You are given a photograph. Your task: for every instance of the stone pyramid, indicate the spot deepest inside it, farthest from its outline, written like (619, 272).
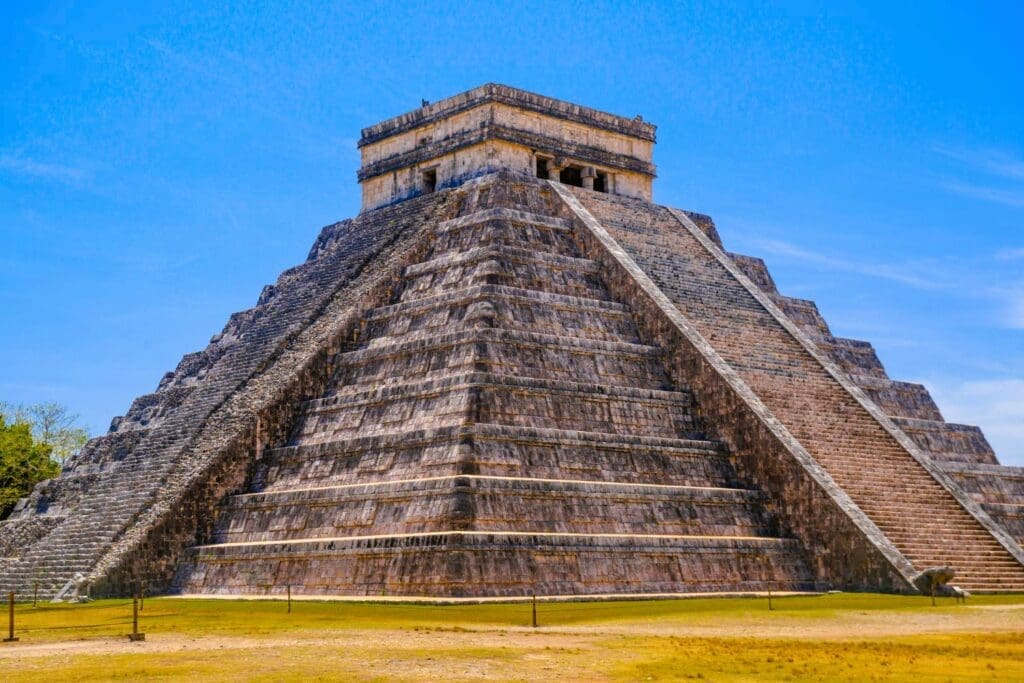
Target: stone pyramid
(513, 373)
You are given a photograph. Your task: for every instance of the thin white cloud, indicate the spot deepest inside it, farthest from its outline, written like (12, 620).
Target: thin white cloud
(997, 406)
(994, 162)
(231, 72)
(1013, 197)
(1003, 175)
(22, 166)
(1000, 294)
(893, 272)
(1013, 305)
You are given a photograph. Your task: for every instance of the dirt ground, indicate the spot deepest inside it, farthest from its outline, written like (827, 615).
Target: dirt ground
(848, 641)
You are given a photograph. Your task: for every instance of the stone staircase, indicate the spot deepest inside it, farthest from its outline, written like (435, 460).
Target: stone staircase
(922, 517)
(999, 488)
(498, 429)
(125, 505)
(80, 540)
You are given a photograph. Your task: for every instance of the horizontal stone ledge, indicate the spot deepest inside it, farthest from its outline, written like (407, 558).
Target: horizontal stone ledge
(482, 432)
(477, 292)
(781, 300)
(541, 435)
(504, 214)
(499, 335)
(914, 424)
(981, 469)
(501, 251)
(1004, 508)
(469, 380)
(511, 483)
(513, 97)
(883, 383)
(525, 539)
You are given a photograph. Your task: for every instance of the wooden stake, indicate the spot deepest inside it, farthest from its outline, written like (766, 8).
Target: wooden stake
(35, 593)
(535, 610)
(10, 624)
(289, 598)
(135, 636)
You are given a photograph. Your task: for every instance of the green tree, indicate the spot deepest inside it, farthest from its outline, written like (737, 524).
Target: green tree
(23, 463)
(51, 424)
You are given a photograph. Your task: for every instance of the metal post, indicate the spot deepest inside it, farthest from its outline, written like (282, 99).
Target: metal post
(289, 598)
(10, 611)
(135, 636)
(535, 610)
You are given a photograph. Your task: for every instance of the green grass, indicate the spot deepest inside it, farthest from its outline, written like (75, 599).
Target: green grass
(835, 637)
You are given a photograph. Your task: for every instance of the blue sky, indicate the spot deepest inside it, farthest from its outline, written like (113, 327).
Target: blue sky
(159, 166)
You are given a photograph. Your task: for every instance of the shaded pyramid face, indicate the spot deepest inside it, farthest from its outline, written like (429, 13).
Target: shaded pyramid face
(499, 428)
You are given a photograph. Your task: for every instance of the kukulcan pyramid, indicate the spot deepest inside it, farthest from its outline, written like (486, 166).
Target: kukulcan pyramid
(512, 373)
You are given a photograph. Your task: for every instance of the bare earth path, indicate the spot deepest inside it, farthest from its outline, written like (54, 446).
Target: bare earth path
(829, 637)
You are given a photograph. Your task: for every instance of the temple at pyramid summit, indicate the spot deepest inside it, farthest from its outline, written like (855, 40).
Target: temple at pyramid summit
(513, 373)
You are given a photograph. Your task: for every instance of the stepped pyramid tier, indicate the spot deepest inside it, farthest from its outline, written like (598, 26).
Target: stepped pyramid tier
(514, 374)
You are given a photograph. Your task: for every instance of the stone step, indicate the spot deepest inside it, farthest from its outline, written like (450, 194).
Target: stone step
(477, 292)
(469, 502)
(510, 433)
(503, 535)
(502, 265)
(398, 347)
(502, 351)
(720, 493)
(503, 450)
(542, 234)
(355, 395)
(947, 440)
(499, 306)
(500, 399)
(504, 252)
(1004, 508)
(496, 563)
(511, 215)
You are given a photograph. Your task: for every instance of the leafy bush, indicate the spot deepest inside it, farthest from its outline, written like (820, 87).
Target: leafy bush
(23, 463)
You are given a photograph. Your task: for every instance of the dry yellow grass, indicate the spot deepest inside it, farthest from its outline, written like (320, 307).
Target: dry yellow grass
(835, 637)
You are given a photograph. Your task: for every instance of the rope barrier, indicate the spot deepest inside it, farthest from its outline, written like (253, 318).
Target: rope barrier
(532, 609)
